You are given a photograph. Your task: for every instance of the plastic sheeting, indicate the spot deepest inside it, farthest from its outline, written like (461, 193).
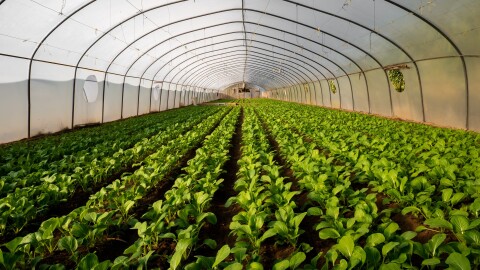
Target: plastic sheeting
(191, 49)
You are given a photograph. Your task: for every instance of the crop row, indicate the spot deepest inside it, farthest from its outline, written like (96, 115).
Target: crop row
(180, 216)
(82, 150)
(25, 157)
(349, 213)
(25, 204)
(109, 209)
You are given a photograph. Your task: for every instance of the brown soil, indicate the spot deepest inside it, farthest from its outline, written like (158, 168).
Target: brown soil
(310, 235)
(286, 172)
(272, 253)
(409, 222)
(80, 196)
(220, 231)
(115, 243)
(127, 236)
(159, 259)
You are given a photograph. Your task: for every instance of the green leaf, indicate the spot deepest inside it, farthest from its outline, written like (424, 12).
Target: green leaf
(411, 209)
(88, 262)
(314, 211)
(234, 266)
(328, 233)
(473, 236)
(457, 197)
(388, 247)
(373, 255)
(13, 244)
(282, 265)
(460, 224)
(346, 246)
(390, 266)
(210, 243)
(457, 261)
(255, 266)
(447, 194)
(436, 241)
(180, 249)
(297, 259)
(68, 243)
(221, 255)
(431, 261)
(375, 239)
(438, 223)
(408, 235)
(390, 230)
(358, 257)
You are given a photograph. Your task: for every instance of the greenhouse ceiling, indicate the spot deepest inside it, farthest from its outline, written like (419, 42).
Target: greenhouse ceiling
(52, 52)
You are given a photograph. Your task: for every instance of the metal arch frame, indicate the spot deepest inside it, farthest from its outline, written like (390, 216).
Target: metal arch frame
(355, 23)
(278, 54)
(378, 34)
(256, 69)
(271, 51)
(216, 69)
(216, 25)
(454, 45)
(222, 42)
(212, 56)
(202, 59)
(30, 66)
(335, 37)
(106, 71)
(188, 77)
(287, 59)
(193, 69)
(426, 21)
(226, 48)
(289, 77)
(248, 73)
(203, 71)
(227, 10)
(254, 79)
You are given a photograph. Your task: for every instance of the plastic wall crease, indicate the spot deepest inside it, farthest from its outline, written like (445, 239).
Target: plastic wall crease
(360, 94)
(13, 99)
(408, 104)
(444, 94)
(163, 101)
(144, 98)
(346, 93)
(130, 97)
(51, 98)
(113, 98)
(326, 93)
(473, 64)
(87, 112)
(379, 92)
(336, 97)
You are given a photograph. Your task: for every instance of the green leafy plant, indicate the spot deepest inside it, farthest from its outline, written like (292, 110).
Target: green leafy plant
(396, 78)
(332, 86)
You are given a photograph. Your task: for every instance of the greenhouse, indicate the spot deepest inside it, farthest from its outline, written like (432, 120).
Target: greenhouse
(239, 134)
